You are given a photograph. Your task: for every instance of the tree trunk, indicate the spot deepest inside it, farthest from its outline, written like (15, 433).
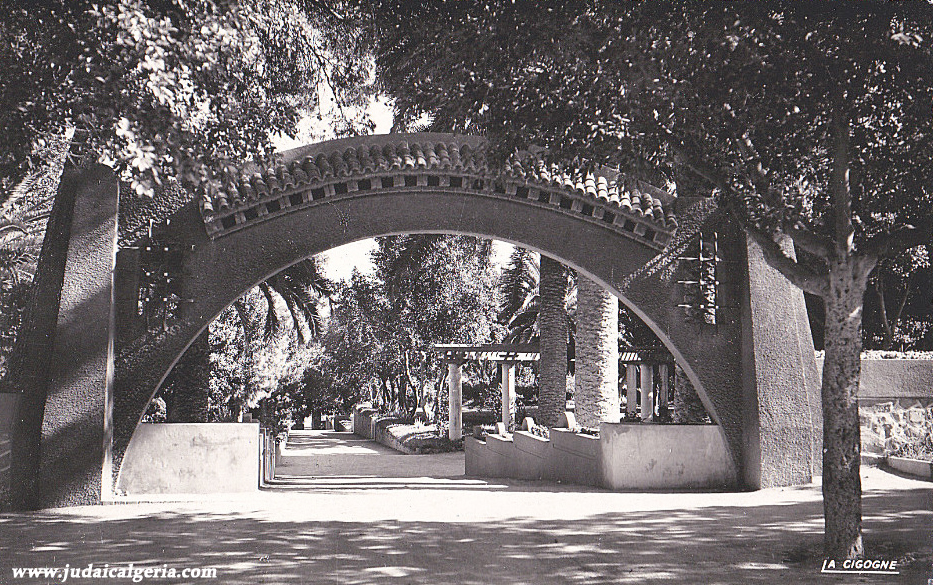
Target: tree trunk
(842, 488)
(596, 377)
(190, 383)
(552, 325)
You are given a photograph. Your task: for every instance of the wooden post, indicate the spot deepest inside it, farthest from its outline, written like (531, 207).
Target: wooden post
(631, 390)
(455, 394)
(647, 387)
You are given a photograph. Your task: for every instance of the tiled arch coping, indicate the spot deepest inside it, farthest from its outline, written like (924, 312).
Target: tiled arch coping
(625, 456)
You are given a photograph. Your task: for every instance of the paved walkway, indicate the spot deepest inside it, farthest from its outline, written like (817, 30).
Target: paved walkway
(348, 512)
(338, 460)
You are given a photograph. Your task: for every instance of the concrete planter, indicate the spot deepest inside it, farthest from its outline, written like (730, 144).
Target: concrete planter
(648, 456)
(191, 458)
(362, 417)
(575, 458)
(626, 456)
(531, 455)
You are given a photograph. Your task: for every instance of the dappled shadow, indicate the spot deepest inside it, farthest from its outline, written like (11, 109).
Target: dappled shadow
(299, 538)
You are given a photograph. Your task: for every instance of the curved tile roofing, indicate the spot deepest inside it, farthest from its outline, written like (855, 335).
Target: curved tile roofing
(398, 162)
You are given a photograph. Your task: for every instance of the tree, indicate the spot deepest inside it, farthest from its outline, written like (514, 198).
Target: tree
(902, 311)
(809, 123)
(596, 370)
(219, 374)
(552, 324)
(521, 313)
(427, 289)
(173, 89)
(22, 226)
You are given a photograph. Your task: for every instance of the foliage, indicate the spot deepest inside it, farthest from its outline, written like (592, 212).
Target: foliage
(22, 226)
(899, 313)
(427, 289)
(169, 89)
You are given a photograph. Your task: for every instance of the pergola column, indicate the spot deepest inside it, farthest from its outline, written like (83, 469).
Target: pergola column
(631, 390)
(663, 372)
(455, 397)
(647, 391)
(507, 386)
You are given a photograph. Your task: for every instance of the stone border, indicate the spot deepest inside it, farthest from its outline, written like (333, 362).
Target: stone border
(368, 423)
(915, 467)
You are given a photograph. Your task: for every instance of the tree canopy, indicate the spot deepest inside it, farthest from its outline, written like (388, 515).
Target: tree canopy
(740, 99)
(172, 88)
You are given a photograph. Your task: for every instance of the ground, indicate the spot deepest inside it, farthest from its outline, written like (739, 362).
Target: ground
(346, 510)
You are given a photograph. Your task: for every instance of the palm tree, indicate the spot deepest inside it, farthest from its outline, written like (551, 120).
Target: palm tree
(553, 328)
(596, 384)
(23, 217)
(538, 300)
(301, 287)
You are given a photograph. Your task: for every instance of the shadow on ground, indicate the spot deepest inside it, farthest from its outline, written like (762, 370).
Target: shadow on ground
(710, 544)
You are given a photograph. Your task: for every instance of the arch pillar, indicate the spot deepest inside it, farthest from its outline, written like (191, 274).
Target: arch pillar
(62, 431)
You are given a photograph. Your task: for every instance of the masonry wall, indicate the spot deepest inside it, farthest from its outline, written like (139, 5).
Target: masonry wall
(191, 458)
(886, 379)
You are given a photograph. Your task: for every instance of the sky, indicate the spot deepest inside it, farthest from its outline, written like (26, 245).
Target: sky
(339, 263)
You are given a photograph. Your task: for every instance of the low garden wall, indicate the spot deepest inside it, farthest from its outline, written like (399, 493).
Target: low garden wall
(624, 456)
(397, 433)
(652, 456)
(191, 458)
(888, 379)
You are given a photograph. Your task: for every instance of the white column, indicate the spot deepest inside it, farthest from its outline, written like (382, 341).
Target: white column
(455, 394)
(631, 390)
(647, 386)
(507, 371)
(665, 386)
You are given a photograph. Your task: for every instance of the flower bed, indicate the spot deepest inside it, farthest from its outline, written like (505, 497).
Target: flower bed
(400, 433)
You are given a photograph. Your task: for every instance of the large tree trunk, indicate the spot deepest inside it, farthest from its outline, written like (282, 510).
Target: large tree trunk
(190, 383)
(552, 325)
(842, 488)
(596, 387)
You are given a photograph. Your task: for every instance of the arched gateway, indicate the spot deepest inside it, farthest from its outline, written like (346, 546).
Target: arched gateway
(753, 368)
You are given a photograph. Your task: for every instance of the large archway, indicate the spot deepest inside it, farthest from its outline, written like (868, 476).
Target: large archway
(603, 225)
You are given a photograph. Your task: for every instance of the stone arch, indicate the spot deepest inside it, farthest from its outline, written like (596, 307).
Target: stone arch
(600, 223)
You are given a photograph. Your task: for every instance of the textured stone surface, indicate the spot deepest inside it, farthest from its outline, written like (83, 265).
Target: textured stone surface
(75, 467)
(782, 413)
(596, 378)
(897, 428)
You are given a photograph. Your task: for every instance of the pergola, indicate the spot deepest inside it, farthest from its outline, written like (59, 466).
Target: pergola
(506, 354)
